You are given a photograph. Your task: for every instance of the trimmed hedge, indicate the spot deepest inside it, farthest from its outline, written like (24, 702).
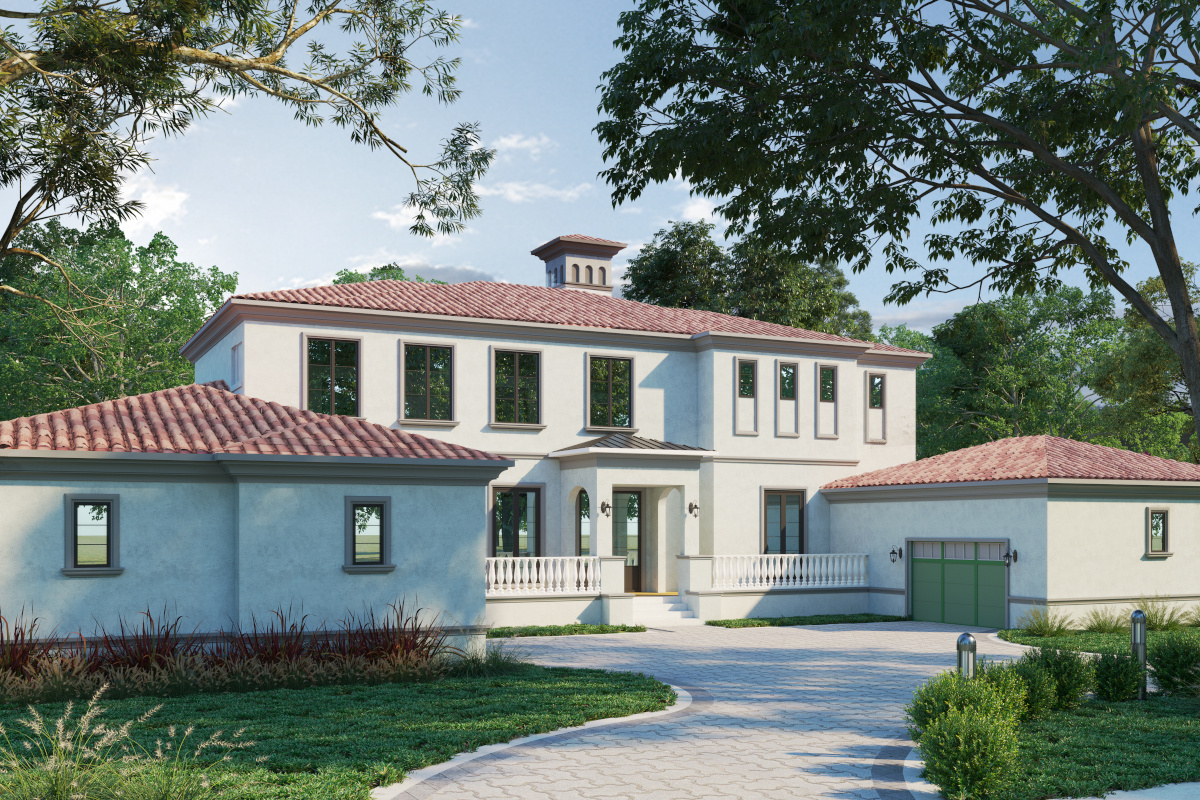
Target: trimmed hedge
(969, 754)
(1175, 662)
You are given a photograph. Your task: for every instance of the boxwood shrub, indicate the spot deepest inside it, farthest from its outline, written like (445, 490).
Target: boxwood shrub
(1072, 673)
(1118, 677)
(969, 753)
(948, 691)
(1175, 662)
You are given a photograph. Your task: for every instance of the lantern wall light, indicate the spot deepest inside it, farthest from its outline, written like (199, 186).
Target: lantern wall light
(897, 553)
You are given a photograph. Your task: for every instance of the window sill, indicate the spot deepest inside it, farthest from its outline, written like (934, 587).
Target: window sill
(876, 441)
(368, 569)
(1159, 555)
(787, 435)
(92, 572)
(430, 423)
(604, 429)
(827, 436)
(516, 426)
(745, 433)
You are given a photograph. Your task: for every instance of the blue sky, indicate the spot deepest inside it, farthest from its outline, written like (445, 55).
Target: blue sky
(254, 192)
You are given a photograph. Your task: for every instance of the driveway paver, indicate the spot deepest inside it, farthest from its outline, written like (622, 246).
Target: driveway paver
(775, 713)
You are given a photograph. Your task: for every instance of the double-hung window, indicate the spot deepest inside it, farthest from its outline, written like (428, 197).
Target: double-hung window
(783, 522)
(518, 388)
(828, 385)
(515, 522)
(92, 536)
(787, 381)
(875, 391)
(1157, 533)
(368, 535)
(610, 392)
(747, 378)
(333, 376)
(428, 382)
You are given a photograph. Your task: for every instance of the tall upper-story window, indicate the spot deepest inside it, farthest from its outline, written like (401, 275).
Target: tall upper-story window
(787, 381)
(828, 385)
(747, 378)
(875, 391)
(235, 366)
(333, 376)
(517, 387)
(428, 382)
(610, 390)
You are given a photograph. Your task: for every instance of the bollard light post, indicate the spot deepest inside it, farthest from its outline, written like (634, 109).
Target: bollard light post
(966, 655)
(1137, 634)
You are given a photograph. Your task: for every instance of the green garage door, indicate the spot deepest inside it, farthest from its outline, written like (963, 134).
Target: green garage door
(961, 583)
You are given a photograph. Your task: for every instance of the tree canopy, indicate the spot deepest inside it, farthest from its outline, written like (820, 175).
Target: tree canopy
(683, 267)
(1033, 136)
(388, 272)
(86, 84)
(134, 308)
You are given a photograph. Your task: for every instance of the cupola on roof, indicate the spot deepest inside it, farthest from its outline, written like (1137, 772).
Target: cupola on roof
(579, 262)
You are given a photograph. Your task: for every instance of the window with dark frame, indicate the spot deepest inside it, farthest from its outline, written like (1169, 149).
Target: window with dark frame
(583, 524)
(787, 381)
(368, 533)
(518, 387)
(783, 522)
(1158, 532)
(828, 385)
(610, 385)
(516, 521)
(747, 378)
(333, 376)
(92, 545)
(428, 382)
(875, 391)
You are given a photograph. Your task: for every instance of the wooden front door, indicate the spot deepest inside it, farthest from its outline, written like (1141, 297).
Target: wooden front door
(628, 536)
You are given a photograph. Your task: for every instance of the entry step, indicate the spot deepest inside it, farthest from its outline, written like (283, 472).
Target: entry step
(663, 609)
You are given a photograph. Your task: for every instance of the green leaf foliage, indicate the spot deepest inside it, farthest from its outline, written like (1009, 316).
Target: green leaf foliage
(135, 307)
(950, 691)
(1175, 663)
(969, 754)
(388, 272)
(683, 267)
(1118, 677)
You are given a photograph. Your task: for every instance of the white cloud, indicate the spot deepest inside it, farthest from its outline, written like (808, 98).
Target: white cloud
(921, 314)
(516, 142)
(400, 218)
(162, 203)
(467, 23)
(525, 191)
(698, 208)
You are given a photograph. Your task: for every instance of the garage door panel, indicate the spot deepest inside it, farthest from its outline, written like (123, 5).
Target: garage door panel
(991, 595)
(927, 591)
(960, 593)
(966, 587)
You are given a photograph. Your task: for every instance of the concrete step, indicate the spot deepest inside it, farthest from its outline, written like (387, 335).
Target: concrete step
(662, 610)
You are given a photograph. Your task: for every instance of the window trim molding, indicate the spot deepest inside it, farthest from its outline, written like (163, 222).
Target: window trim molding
(358, 371)
(385, 537)
(540, 537)
(780, 363)
(1166, 551)
(737, 395)
(588, 355)
(541, 385)
(763, 491)
(818, 402)
(867, 408)
(579, 495)
(402, 417)
(70, 568)
(237, 366)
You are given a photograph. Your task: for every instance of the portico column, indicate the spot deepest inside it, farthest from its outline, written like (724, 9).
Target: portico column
(602, 537)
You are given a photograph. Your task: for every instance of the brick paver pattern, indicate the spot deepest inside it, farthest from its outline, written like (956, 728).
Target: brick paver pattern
(788, 713)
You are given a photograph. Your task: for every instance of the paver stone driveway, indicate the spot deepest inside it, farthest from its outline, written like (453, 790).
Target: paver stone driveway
(777, 713)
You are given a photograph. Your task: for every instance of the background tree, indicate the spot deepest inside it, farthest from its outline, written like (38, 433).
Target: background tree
(1035, 135)
(388, 272)
(683, 267)
(145, 305)
(85, 85)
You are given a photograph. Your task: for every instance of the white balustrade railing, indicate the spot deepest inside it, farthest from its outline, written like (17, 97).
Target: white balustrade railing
(538, 576)
(810, 570)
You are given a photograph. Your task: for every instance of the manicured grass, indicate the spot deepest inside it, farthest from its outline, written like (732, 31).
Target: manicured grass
(562, 630)
(1102, 747)
(1087, 642)
(819, 619)
(337, 742)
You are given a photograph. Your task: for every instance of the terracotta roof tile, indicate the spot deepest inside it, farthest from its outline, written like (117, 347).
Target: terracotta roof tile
(208, 418)
(523, 303)
(1027, 457)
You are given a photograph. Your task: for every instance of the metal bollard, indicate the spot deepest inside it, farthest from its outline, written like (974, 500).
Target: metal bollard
(1137, 634)
(966, 655)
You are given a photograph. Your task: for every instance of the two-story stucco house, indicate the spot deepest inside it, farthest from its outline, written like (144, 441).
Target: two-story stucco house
(517, 454)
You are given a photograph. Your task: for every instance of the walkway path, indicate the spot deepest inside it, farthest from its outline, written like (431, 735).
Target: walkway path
(776, 713)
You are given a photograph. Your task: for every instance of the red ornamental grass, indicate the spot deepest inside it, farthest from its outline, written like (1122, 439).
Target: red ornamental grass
(153, 643)
(19, 644)
(394, 633)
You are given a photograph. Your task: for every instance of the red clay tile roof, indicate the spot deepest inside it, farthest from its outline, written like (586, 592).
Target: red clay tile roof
(523, 303)
(208, 418)
(1027, 457)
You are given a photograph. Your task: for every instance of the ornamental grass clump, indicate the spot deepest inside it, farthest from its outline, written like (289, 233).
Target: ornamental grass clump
(1106, 620)
(1161, 614)
(1042, 621)
(88, 759)
(1174, 661)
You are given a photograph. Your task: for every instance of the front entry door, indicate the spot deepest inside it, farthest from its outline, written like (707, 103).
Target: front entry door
(627, 536)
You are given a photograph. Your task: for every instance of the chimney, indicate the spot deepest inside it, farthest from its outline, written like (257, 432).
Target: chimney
(579, 262)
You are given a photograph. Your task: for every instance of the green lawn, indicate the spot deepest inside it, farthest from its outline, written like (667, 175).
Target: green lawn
(1087, 642)
(1103, 747)
(562, 630)
(819, 619)
(335, 743)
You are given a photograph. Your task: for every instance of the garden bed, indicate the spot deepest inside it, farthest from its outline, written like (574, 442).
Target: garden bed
(562, 630)
(818, 619)
(1088, 641)
(340, 741)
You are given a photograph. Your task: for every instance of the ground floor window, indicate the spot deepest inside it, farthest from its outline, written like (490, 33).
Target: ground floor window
(583, 524)
(784, 523)
(1156, 534)
(93, 534)
(515, 522)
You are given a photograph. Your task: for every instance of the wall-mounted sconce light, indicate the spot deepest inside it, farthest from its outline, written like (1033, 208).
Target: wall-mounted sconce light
(694, 509)
(606, 508)
(897, 552)
(1010, 557)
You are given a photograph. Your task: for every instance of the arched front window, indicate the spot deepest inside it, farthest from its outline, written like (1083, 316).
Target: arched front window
(589, 274)
(575, 269)
(583, 524)
(603, 277)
